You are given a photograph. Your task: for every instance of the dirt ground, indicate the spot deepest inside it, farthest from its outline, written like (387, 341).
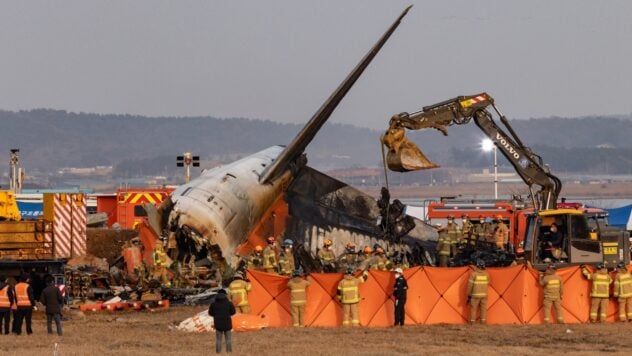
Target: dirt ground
(147, 333)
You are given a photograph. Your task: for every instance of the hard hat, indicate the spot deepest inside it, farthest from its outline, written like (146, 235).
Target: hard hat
(379, 250)
(481, 217)
(520, 251)
(480, 263)
(450, 216)
(271, 239)
(367, 250)
(464, 216)
(499, 217)
(621, 264)
(328, 243)
(601, 265)
(399, 270)
(349, 270)
(258, 248)
(288, 242)
(351, 245)
(376, 246)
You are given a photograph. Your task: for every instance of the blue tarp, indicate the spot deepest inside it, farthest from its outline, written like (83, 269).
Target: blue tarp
(31, 210)
(621, 217)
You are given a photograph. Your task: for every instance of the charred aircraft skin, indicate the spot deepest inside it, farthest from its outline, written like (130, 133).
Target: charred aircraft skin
(216, 212)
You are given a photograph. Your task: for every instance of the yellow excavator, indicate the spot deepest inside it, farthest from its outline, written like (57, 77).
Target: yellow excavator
(581, 244)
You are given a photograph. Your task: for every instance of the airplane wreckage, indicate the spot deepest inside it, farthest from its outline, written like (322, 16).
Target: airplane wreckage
(228, 210)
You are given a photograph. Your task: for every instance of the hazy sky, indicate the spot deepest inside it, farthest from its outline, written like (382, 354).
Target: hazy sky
(279, 60)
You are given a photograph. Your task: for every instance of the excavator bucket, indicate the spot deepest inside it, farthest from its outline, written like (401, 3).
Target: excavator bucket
(403, 155)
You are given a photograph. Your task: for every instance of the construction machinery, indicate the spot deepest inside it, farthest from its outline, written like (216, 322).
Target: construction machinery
(582, 242)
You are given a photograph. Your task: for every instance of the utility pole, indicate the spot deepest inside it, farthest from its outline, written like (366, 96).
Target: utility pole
(17, 173)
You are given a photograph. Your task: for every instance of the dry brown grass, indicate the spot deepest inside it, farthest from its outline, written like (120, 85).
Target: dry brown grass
(146, 333)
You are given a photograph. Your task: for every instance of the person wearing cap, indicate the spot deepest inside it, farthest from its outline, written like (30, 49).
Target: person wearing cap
(286, 258)
(349, 259)
(238, 293)
(349, 297)
(255, 260)
(623, 291)
(270, 256)
(477, 287)
(600, 291)
(454, 234)
(222, 311)
(443, 246)
(553, 289)
(25, 303)
(501, 233)
(298, 297)
(466, 230)
(327, 257)
(399, 292)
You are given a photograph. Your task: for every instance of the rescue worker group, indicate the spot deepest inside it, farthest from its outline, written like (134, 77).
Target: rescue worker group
(351, 262)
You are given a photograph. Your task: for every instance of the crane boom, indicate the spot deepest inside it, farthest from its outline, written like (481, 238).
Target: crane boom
(403, 155)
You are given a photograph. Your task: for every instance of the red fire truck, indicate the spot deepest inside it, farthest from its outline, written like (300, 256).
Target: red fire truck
(126, 206)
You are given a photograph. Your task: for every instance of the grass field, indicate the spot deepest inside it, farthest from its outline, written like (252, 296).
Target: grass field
(147, 333)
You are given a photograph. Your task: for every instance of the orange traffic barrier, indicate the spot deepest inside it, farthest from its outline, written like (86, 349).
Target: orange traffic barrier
(91, 307)
(435, 295)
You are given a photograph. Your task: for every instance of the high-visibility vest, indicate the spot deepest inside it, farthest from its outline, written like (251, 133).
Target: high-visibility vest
(466, 230)
(349, 290)
(478, 283)
(298, 291)
(453, 232)
(502, 233)
(4, 297)
(623, 285)
(238, 291)
(552, 287)
(22, 295)
(326, 256)
(443, 245)
(600, 285)
(269, 258)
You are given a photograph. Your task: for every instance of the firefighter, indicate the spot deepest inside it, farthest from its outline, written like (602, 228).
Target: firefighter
(25, 302)
(623, 291)
(380, 262)
(501, 233)
(553, 289)
(298, 297)
(454, 235)
(6, 300)
(489, 230)
(478, 233)
(600, 291)
(255, 260)
(286, 258)
(466, 230)
(477, 292)
(364, 257)
(238, 293)
(400, 291)
(327, 257)
(349, 297)
(270, 256)
(443, 246)
(160, 264)
(349, 259)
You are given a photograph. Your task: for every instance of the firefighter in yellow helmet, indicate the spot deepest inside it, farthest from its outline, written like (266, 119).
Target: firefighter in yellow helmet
(553, 290)
(238, 293)
(623, 291)
(501, 233)
(327, 257)
(600, 291)
(270, 256)
(255, 260)
(349, 296)
(298, 297)
(477, 292)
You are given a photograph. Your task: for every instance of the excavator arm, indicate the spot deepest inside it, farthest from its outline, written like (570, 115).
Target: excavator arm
(403, 155)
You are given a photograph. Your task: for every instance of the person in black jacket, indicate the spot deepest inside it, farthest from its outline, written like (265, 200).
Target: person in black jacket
(52, 299)
(399, 291)
(221, 310)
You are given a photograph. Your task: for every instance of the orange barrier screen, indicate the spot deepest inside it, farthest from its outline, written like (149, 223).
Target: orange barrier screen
(435, 295)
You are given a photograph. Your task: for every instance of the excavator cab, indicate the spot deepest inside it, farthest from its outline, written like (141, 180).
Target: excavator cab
(565, 236)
